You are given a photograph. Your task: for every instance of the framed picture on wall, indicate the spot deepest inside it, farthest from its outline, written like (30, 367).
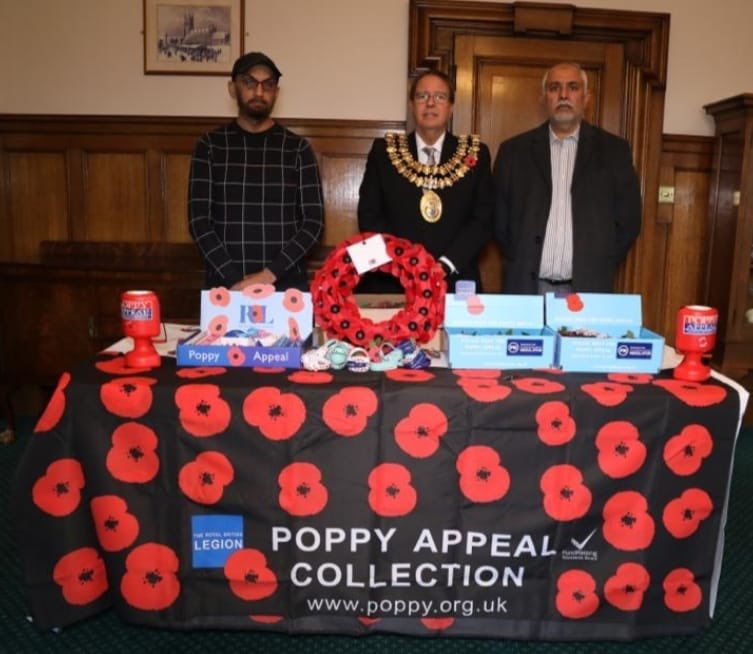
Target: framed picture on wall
(192, 37)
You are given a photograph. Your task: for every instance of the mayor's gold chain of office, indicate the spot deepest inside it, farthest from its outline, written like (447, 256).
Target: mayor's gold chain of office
(432, 177)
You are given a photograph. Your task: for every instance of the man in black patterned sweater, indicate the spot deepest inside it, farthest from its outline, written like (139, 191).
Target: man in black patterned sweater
(254, 196)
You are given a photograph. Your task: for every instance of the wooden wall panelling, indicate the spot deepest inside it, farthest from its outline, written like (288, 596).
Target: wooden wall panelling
(175, 169)
(127, 177)
(37, 199)
(115, 197)
(683, 234)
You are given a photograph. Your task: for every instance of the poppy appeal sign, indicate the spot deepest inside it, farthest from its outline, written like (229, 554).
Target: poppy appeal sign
(426, 502)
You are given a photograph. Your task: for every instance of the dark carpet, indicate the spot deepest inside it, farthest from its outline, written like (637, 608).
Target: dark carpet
(731, 631)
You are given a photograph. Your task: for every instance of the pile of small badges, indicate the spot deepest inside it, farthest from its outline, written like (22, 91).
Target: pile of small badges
(339, 355)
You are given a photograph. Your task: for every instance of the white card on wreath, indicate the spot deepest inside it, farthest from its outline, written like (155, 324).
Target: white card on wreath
(369, 254)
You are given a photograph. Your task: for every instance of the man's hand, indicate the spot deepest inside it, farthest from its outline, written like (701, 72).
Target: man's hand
(265, 276)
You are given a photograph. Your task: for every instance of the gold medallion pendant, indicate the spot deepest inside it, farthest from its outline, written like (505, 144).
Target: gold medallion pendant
(431, 206)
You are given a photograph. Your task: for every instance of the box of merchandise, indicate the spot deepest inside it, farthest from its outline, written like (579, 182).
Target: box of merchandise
(497, 331)
(256, 327)
(602, 332)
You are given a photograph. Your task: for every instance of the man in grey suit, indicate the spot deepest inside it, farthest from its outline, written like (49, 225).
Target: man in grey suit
(568, 204)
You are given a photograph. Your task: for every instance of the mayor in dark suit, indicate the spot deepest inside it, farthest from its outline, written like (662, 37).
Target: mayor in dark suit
(568, 203)
(430, 187)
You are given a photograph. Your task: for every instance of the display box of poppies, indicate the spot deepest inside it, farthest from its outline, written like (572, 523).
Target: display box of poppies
(602, 332)
(497, 331)
(256, 327)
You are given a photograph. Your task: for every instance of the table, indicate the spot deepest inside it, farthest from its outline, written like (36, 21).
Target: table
(514, 504)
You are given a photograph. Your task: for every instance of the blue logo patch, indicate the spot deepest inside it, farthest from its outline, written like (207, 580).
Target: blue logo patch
(214, 538)
(634, 350)
(526, 347)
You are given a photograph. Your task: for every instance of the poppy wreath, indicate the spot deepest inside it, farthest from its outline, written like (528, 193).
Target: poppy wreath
(420, 275)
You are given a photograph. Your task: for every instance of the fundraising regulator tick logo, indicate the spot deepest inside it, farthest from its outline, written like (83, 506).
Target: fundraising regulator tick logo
(579, 551)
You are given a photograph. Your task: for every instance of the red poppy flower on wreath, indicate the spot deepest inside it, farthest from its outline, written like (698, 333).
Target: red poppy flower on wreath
(409, 375)
(574, 302)
(58, 491)
(555, 424)
(576, 595)
(537, 385)
(151, 581)
(116, 366)
(293, 300)
(204, 479)
(310, 377)
(127, 397)
(267, 619)
(201, 371)
(347, 412)
(681, 592)
(685, 452)
(235, 356)
(391, 493)
(621, 453)
(55, 407)
(627, 523)
(116, 527)
(258, 291)
(483, 478)
(82, 576)
(630, 377)
(437, 624)
(201, 410)
(219, 296)
(133, 457)
(217, 326)
(249, 576)
(607, 393)
(484, 390)
(419, 433)
(566, 497)
(692, 393)
(683, 515)
(278, 415)
(412, 265)
(301, 490)
(625, 589)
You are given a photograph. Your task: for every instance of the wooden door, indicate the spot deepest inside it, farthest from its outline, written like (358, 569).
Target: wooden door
(536, 34)
(499, 95)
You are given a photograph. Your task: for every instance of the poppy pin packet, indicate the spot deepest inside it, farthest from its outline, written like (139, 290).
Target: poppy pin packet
(497, 331)
(255, 327)
(602, 332)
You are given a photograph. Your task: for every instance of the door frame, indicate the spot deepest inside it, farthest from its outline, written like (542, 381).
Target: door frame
(434, 25)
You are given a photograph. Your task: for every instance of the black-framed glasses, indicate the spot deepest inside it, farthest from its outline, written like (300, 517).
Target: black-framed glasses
(251, 83)
(439, 97)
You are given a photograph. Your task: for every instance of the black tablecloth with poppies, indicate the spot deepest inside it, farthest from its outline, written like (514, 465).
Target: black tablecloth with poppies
(516, 504)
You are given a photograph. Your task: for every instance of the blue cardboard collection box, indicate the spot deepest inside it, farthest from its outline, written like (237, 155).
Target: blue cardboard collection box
(252, 328)
(602, 332)
(497, 331)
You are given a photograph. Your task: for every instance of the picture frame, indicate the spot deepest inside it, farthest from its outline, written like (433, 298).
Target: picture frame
(192, 37)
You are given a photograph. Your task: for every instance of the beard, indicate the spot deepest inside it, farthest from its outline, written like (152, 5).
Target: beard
(256, 110)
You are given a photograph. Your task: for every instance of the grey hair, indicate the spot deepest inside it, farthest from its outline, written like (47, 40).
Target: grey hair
(572, 64)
